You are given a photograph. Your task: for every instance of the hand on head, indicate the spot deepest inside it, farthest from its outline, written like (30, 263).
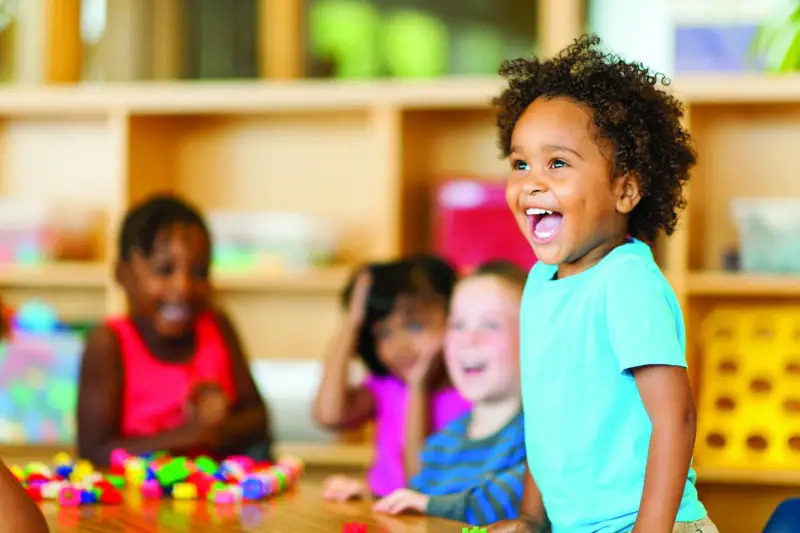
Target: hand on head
(358, 300)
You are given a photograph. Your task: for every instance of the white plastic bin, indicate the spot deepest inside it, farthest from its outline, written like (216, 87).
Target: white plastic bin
(769, 234)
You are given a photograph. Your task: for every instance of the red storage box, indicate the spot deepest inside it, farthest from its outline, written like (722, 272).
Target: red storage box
(473, 224)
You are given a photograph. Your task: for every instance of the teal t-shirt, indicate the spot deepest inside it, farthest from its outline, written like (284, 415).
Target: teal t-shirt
(586, 429)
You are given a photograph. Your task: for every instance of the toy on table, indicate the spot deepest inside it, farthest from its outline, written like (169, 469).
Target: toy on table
(234, 479)
(74, 483)
(69, 483)
(354, 527)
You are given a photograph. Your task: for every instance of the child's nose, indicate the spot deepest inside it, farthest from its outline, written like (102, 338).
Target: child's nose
(181, 284)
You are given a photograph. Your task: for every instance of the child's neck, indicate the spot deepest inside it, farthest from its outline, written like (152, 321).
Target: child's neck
(172, 350)
(590, 258)
(487, 418)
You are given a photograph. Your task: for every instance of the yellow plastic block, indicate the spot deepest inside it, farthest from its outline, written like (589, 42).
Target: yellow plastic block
(184, 491)
(749, 406)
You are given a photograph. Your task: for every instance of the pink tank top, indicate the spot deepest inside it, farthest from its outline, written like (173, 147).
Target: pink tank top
(154, 392)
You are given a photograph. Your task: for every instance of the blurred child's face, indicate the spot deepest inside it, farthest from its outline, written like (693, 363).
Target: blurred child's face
(170, 287)
(482, 343)
(561, 190)
(413, 330)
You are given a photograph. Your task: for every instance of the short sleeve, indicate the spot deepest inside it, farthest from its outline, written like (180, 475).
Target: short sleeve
(645, 325)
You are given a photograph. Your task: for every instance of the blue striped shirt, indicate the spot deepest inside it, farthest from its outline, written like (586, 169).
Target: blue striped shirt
(475, 481)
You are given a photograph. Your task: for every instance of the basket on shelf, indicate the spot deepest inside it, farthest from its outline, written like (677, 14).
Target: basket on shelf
(749, 409)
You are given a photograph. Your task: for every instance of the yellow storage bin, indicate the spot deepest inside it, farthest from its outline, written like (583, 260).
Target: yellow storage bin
(749, 406)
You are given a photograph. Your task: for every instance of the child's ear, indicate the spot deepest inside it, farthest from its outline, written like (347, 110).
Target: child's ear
(629, 192)
(123, 274)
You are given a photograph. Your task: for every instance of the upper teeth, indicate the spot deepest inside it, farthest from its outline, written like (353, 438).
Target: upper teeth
(537, 211)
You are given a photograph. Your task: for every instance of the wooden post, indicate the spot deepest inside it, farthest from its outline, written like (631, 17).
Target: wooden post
(281, 51)
(167, 38)
(62, 41)
(560, 21)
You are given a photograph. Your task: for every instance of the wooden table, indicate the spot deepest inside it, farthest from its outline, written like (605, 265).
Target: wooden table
(299, 511)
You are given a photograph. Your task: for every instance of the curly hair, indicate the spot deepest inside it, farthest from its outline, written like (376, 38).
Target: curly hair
(630, 111)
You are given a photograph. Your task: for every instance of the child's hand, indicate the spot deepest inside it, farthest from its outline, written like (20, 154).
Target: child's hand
(509, 526)
(358, 299)
(402, 500)
(427, 369)
(208, 405)
(343, 488)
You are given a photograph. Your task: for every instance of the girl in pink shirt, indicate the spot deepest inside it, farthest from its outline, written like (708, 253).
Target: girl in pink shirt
(396, 320)
(171, 374)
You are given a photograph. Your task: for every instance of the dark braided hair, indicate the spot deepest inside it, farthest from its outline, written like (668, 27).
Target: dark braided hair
(145, 220)
(630, 110)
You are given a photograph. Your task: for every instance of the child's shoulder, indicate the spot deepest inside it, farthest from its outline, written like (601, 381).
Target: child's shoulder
(633, 268)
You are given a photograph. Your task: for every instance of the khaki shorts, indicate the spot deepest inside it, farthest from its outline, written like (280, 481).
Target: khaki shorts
(701, 526)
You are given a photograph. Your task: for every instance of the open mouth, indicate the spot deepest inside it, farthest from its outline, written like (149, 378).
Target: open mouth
(473, 369)
(544, 224)
(176, 312)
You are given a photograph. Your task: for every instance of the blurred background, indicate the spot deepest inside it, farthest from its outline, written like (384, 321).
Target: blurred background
(318, 134)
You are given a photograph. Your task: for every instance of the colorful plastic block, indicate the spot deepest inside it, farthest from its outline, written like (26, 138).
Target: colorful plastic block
(69, 497)
(62, 459)
(64, 471)
(253, 488)
(88, 497)
(51, 489)
(118, 457)
(224, 496)
(150, 489)
(172, 472)
(111, 496)
(35, 492)
(116, 481)
(184, 491)
(17, 472)
(206, 464)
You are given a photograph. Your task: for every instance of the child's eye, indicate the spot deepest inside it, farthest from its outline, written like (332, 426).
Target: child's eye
(200, 273)
(164, 269)
(519, 164)
(414, 326)
(558, 163)
(492, 325)
(456, 325)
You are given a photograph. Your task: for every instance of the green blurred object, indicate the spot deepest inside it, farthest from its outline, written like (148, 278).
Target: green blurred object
(777, 41)
(345, 32)
(415, 44)
(21, 394)
(478, 49)
(62, 395)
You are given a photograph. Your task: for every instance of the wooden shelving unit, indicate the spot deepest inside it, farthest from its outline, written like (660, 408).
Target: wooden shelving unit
(366, 155)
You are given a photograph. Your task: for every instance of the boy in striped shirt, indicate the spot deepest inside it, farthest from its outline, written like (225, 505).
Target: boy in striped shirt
(472, 470)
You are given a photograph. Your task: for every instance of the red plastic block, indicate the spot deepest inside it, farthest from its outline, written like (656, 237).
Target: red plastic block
(354, 527)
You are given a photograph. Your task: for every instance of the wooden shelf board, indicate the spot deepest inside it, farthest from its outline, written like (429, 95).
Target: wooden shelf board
(743, 284)
(61, 275)
(738, 88)
(217, 97)
(733, 476)
(322, 280)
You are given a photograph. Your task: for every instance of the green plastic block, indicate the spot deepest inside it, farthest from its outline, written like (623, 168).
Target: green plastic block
(206, 465)
(116, 481)
(172, 472)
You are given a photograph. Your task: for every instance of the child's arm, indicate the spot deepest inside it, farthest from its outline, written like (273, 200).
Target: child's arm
(99, 407)
(338, 406)
(426, 372)
(19, 512)
(492, 499)
(667, 397)
(532, 515)
(247, 420)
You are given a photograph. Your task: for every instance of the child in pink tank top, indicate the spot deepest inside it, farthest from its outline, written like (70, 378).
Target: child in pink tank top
(396, 323)
(171, 374)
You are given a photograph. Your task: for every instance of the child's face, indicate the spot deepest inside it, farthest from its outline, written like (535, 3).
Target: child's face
(482, 343)
(170, 287)
(413, 331)
(558, 167)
